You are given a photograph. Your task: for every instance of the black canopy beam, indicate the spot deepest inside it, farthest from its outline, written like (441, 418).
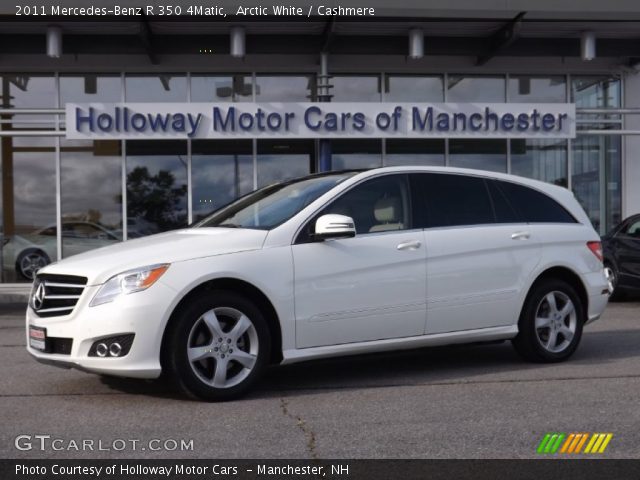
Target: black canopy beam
(503, 38)
(146, 37)
(328, 35)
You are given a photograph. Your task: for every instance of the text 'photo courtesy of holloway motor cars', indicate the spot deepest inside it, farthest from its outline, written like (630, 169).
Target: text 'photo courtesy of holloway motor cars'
(328, 265)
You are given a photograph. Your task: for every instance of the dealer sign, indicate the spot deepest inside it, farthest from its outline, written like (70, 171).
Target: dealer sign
(319, 120)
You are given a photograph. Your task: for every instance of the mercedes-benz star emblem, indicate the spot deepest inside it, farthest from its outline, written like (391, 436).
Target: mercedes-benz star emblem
(38, 297)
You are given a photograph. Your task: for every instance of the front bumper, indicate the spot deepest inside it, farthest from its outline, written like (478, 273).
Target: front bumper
(143, 314)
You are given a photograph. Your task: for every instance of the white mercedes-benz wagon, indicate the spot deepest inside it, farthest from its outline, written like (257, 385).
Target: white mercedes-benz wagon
(326, 265)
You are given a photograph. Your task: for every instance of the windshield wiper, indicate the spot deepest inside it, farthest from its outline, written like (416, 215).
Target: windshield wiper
(230, 225)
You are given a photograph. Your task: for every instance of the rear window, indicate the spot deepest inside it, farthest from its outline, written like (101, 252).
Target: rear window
(534, 206)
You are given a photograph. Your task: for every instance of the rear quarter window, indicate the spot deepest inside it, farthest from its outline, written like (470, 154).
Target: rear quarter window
(534, 206)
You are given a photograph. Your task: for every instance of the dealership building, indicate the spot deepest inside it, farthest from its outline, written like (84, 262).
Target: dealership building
(546, 89)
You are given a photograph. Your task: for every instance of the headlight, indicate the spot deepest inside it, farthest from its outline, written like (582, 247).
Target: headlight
(128, 282)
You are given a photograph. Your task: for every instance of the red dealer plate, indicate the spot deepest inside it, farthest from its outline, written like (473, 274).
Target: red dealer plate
(37, 338)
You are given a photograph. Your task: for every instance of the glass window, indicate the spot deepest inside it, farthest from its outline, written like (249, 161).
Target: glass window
(413, 88)
(414, 152)
(633, 229)
(28, 206)
(156, 186)
(475, 89)
(595, 91)
(356, 154)
(537, 89)
(280, 160)
(479, 154)
(287, 88)
(597, 178)
(208, 88)
(29, 91)
(270, 206)
(90, 88)
(90, 172)
(165, 87)
(221, 171)
(355, 88)
(91, 192)
(534, 206)
(502, 208)
(456, 200)
(544, 159)
(377, 205)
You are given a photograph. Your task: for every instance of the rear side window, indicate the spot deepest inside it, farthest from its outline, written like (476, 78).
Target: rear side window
(534, 206)
(505, 213)
(454, 200)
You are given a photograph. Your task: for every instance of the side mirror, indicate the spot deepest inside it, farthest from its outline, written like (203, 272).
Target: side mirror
(334, 226)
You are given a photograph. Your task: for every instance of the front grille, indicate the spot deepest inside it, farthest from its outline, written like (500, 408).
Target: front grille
(56, 295)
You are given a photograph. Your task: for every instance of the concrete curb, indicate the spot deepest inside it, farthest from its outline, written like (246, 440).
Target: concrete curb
(15, 294)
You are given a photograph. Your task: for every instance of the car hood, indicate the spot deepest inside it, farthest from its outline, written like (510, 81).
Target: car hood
(101, 264)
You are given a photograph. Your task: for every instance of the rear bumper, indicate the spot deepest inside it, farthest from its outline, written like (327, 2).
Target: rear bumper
(598, 294)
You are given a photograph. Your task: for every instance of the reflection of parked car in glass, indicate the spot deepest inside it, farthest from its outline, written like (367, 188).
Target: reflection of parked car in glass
(622, 256)
(30, 252)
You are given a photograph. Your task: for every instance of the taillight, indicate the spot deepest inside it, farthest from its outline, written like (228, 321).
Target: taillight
(596, 249)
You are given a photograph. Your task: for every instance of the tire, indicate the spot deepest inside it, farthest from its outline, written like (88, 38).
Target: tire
(547, 334)
(612, 275)
(206, 358)
(29, 262)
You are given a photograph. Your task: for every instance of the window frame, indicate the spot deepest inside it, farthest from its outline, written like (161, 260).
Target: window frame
(624, 231)
(302, 234)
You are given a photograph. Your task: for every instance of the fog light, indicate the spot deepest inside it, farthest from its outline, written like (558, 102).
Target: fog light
(116, 346)
(102, 350)
(115, 349)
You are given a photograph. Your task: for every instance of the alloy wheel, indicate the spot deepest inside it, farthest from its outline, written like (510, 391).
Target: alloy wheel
(222, 347)
(610, 273)
(555, 321)
(31, 263)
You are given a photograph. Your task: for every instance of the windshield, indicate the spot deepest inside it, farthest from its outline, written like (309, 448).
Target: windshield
(268, 207)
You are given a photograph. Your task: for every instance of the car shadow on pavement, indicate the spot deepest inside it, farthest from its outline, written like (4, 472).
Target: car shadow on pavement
(477, 363)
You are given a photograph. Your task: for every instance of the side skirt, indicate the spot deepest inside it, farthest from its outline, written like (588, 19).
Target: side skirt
(405, 343)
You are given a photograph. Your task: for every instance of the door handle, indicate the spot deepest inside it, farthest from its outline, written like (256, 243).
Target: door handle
(520, 236)
(410, 245)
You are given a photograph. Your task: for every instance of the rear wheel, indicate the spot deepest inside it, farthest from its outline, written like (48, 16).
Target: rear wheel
(612, 277)
(218, 347)
(550, 326)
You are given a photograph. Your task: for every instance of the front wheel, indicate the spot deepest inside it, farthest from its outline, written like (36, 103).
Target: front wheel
(218, 347)
(550, 326)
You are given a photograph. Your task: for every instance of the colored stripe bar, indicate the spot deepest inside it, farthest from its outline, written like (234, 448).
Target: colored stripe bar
(605, 443)
(581, 443)
(594, 437)
(550, 443)
(596, 446)
(555, 447)
(565, 447)
(543, 443)
(576, 439)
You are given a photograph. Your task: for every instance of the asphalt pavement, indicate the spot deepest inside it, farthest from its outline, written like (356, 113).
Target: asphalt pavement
(477, 401)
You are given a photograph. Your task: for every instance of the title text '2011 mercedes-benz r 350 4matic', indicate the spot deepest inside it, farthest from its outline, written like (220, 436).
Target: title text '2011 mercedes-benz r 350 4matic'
(327, 265)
